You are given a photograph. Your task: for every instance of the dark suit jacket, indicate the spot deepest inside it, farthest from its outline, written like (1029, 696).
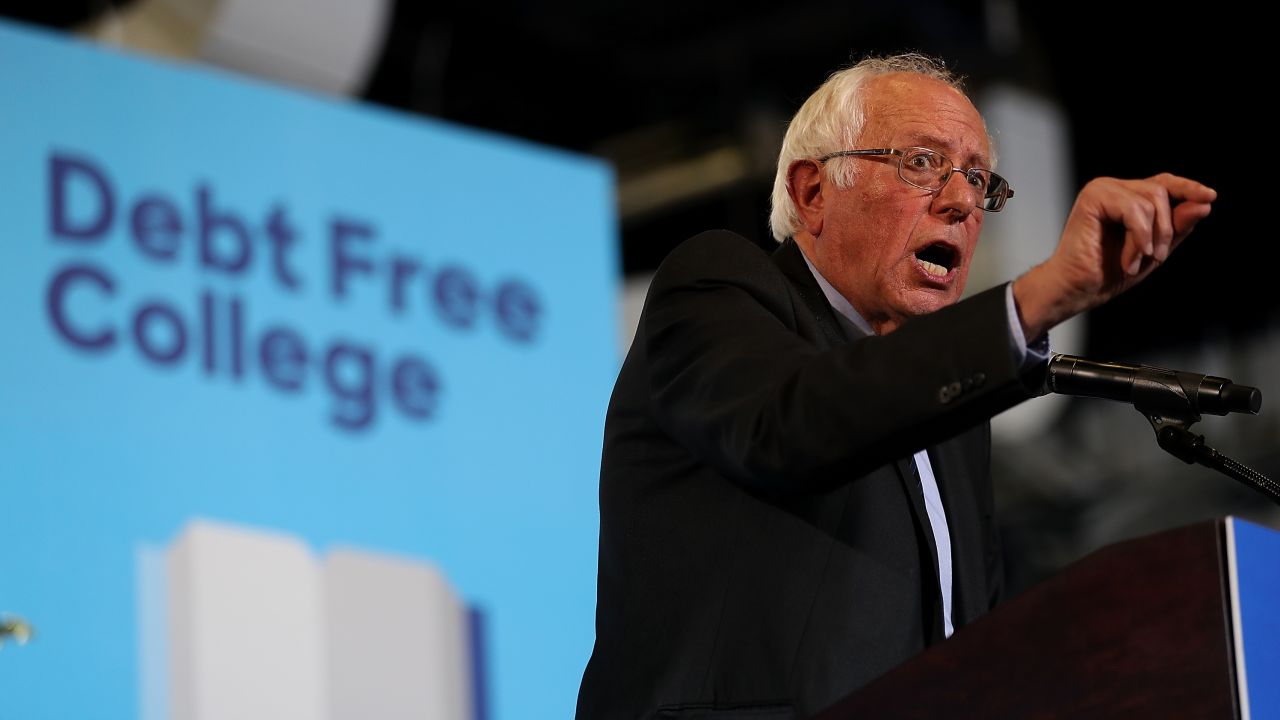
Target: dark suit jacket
(764, 546)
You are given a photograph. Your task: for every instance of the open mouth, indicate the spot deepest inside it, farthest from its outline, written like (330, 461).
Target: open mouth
(937, 259)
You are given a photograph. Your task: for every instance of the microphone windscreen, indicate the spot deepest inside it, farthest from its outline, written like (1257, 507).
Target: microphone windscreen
(1242, 398)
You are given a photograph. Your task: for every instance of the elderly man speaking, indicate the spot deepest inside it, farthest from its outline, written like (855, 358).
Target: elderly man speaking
(795, 491)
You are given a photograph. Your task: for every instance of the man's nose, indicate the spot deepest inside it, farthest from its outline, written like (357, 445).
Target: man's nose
(958, 198)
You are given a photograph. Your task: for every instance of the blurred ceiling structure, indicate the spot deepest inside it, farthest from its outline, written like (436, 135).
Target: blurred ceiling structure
(688, 101)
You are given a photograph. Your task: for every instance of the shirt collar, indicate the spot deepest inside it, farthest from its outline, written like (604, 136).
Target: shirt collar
(841, 304)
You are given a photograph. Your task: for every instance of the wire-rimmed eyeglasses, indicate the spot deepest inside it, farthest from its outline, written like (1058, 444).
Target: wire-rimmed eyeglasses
(930, 170)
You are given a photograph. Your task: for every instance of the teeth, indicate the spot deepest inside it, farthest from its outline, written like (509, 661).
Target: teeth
(933, 269)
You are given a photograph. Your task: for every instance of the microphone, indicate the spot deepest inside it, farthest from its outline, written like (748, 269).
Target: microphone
(1152, 390)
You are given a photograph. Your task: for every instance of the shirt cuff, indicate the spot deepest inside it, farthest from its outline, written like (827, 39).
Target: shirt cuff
(1027, 354)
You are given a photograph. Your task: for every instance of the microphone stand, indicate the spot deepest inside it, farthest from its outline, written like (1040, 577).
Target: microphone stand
(1173, 435)
(1171, 401)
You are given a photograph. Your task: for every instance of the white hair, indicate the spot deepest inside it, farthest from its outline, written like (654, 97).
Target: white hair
(832, 119)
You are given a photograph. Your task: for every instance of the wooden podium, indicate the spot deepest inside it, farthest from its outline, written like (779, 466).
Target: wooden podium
(1156, 627)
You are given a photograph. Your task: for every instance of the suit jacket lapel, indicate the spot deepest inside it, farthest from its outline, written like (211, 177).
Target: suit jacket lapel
(910, 477)
(968, 566)
(790, 260)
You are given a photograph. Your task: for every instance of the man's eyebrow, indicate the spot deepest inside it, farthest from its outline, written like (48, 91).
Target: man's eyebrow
(933, 142)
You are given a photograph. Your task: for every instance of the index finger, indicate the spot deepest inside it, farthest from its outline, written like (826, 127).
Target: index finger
(1183, 189)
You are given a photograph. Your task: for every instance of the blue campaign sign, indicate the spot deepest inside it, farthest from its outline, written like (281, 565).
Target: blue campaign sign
(1257, 576)
(228, 301)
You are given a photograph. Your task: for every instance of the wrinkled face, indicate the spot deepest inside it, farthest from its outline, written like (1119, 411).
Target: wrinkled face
(893, 250)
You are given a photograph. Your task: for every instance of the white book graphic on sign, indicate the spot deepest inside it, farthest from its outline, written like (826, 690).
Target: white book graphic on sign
(404, 617)
(254, 626)
(246, 626)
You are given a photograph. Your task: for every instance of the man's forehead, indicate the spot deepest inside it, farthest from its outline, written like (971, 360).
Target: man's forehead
(914, 110)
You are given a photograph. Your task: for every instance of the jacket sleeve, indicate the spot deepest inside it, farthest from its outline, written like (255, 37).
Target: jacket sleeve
(732, 379)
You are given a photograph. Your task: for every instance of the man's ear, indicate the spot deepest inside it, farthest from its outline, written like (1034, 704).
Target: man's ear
(804, 185)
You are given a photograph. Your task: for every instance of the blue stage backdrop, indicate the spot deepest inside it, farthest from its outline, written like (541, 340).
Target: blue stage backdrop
(228, 301)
